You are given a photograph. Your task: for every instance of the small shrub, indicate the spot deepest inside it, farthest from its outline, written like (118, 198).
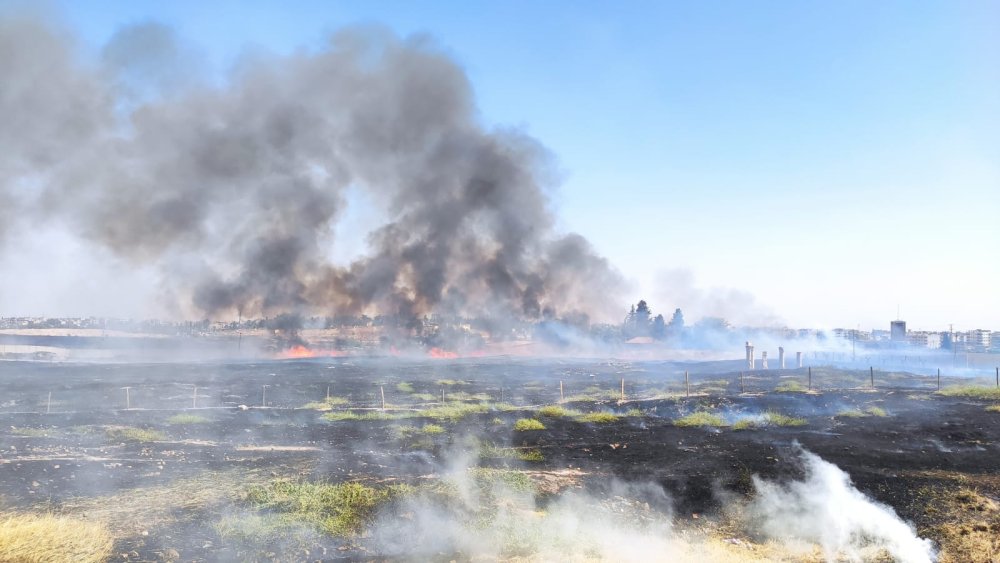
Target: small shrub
(185, 418)
(130, 434)
(527, 424)
(972, 392)
(700, 418)
(404, 387)
(38, 538)
(598, 417)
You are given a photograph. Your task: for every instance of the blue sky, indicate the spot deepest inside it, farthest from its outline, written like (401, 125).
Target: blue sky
(821, 163)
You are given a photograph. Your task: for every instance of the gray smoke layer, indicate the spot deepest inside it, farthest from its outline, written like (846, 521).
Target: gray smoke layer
(234, 191)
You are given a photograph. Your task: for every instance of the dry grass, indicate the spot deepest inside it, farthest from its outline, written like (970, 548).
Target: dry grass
(993, 408)
(186, 418)
(557, 411)
(44, 538)
(969, 525)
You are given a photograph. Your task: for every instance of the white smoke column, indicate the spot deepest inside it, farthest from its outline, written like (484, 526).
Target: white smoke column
(826, 509)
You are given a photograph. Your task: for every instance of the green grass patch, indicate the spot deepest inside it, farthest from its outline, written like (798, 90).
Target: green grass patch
(426, 397)
(700, 418)
(876, 411)
(635, 413)
(598, 417)
(338, 416)
(514, 480)
(528, 424)
(556, 411)
(450, 382)
(326, 404)
(432, 429)
(790, 386)
(186, 418)
(858, 413)
(28, 432)
(972, 392)
(488, 450)
(342, 509)
(453, 412)
(131, 434)
(404, 387)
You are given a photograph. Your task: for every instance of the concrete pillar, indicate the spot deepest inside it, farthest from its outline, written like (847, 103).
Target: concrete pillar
(798, 359)
(750, 356)
(781, 357)
(763, 360)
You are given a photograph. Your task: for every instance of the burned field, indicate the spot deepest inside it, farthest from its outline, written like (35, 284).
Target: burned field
(368, 459)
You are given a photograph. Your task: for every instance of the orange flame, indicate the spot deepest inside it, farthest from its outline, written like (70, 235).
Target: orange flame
(441, 354)
(300, 352)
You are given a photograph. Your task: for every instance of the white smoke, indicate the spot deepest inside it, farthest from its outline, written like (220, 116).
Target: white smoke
(827, 510)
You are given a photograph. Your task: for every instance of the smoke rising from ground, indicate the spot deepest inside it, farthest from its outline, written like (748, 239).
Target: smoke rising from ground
(826, 509)
(234, 191)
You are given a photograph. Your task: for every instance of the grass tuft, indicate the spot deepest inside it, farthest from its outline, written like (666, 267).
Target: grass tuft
(185, 418)
(971, 392)
(700, 418)
(28, 432)
(432, 429)
(326, 404)
(527, 424)
(38, 538)
(598, 417)
(404, 387)
(453, 412)
(488, 450)
(131, 434)
(338, 416)
(993, 408)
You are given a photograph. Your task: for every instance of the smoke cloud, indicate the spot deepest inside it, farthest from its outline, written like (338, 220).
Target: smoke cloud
(826, 509)
(233, 192)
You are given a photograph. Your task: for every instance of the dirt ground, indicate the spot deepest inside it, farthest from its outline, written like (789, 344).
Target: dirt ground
(66, 444)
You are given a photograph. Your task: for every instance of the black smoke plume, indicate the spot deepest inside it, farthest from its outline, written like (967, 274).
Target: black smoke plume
(233, 190)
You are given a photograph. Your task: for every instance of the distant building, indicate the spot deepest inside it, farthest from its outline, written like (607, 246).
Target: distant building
(978, 339)
(897, 331)
(924, 339)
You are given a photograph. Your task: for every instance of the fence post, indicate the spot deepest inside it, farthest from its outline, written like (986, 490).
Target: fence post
(382, 390)
(623, 389)
(871, 370)
(742, 388)
(939, 379)
(561, 396)
(687, 384)
(810, 378)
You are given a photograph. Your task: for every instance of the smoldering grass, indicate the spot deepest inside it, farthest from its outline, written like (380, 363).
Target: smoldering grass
(769, 418)
(486, 477)
(598, 417)
(37, 538)
(557, 411)
(700, 418)
(326, 404)
(132, 434)
(858, 413)
(261, 529)
(528, 424)
(187, 418)
(404, 387)
(876, 411)
(342, 509)
(971, 392)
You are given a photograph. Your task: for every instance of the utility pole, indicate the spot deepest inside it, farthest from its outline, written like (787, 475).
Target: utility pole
(263, 395)
(128, 403)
